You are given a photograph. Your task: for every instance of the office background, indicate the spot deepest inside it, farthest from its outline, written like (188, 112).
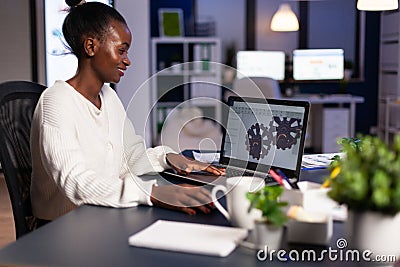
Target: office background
(21, 47)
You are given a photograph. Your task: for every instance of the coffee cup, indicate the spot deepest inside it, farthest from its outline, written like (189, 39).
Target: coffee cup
(237, 211)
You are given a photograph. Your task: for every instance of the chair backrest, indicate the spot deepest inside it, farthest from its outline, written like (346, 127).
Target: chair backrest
(18, 100)
(257, 87)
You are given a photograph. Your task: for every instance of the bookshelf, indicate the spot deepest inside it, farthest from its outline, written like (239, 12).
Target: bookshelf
(389, 77)
(186, 73)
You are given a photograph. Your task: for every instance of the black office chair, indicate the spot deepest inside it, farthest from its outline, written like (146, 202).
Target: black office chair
(18, 100)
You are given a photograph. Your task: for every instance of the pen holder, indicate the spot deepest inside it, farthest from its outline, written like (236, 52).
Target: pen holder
(312, 197)
(308, 232)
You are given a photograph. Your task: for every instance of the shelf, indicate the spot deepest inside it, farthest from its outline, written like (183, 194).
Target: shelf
(292, 81)
(389, 76)
(391, 129)
(189, 80)
(181, 40)
(202, 102)
(166, 72)
(394, 130)
(167, 104)
(388, 98)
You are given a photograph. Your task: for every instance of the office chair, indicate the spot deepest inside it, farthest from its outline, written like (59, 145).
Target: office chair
(18, 100)
(260, 87)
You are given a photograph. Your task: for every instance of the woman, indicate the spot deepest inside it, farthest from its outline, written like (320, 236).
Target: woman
(84, 150)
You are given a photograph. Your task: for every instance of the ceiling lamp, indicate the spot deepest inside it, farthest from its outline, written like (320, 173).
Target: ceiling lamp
(377, 5)
(284, 20)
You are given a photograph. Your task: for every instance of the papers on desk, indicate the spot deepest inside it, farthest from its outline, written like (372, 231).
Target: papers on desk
(309, 162)
(318, 161)
(189, 238)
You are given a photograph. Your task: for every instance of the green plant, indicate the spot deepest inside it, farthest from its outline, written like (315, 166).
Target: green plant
(345, 141)
(367, 178)
(267, 201)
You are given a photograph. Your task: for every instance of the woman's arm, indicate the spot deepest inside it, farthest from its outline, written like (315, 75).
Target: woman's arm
(64, 161)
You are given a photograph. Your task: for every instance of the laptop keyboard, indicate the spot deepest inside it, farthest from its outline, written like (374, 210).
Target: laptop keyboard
(232, 172)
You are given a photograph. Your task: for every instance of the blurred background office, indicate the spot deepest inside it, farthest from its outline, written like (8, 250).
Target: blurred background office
(233, 26)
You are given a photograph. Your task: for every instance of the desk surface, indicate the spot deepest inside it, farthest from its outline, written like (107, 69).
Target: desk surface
(98, 236)
(329, 99)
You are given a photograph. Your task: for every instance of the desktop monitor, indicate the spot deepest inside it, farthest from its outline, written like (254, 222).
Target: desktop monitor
(318, 64)
(261, 64)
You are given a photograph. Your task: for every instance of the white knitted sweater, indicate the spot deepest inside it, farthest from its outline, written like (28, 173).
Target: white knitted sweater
(85, 155)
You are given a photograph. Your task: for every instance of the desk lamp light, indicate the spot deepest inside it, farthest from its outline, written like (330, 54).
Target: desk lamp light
(377, 5)
(284, 20)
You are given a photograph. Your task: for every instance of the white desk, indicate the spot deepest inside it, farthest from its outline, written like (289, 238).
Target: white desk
(319, 125)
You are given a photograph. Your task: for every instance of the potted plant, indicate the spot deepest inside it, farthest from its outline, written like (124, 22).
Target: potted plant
(367, 180)
(269, 229)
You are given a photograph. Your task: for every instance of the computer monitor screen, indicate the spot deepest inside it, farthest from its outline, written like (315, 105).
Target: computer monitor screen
(318, 64)
(261, 64)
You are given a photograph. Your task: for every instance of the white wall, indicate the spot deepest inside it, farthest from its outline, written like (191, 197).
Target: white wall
(231, 24)
(15, 46)
(137, 102)
(336, 33)
(230, 20)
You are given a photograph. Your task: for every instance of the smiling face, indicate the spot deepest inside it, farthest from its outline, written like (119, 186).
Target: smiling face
(110, 57)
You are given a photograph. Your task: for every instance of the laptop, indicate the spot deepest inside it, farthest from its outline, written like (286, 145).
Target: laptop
(259, 135)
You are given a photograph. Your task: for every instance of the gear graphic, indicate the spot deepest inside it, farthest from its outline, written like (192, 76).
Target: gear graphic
(259, 140)
(287, 132)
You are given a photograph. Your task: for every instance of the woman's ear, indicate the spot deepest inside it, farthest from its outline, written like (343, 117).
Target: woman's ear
(90, 46)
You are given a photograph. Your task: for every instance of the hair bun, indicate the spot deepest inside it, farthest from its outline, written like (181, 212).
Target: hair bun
(73, 3)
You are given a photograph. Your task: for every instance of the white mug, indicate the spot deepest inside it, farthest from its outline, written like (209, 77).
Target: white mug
(237, 203)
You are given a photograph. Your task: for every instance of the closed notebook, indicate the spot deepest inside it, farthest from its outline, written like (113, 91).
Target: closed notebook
(189, 238)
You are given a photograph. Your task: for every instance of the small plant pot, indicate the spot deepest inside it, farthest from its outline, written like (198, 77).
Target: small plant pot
(374, 231)
(267, 235)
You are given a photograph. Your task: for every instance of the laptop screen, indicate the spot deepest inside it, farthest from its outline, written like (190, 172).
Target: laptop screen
(264, 133)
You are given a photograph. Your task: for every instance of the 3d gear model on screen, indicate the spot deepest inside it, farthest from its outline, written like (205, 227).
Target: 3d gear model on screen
(259, 140)
(287, 132)
(283, 134)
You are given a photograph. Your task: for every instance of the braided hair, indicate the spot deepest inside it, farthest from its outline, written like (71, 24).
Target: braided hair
(87, 19)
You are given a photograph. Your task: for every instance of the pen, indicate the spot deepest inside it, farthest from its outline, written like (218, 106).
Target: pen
(279, 179)
(333, 175)
(313, 168)
(282, 174)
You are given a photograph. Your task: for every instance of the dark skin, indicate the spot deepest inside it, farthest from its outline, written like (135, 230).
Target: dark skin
(105, 61)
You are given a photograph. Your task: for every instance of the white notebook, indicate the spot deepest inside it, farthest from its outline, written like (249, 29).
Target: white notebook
(189, 238)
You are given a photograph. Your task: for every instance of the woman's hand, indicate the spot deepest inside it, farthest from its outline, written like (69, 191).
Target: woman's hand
(185, 165)
(182, 197)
